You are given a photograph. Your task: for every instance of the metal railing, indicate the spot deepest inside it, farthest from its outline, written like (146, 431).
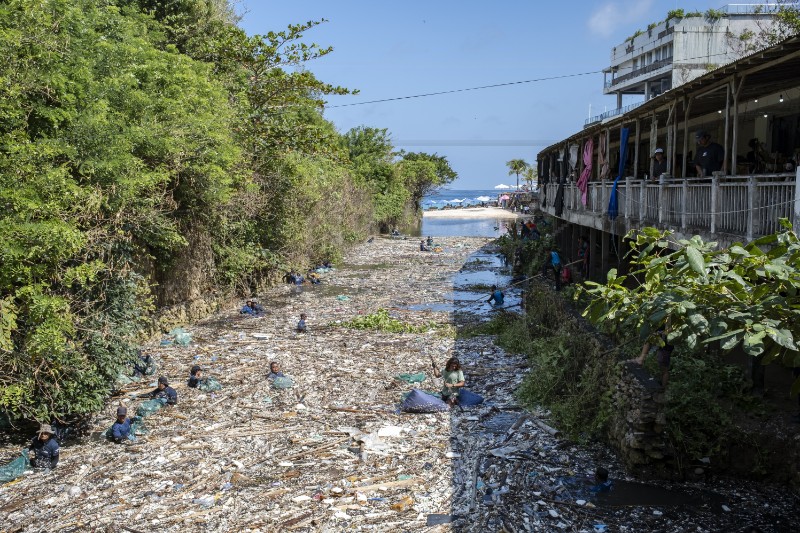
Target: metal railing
(611, 113)
(745, 207)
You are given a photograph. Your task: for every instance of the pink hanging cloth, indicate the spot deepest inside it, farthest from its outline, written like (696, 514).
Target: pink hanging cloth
(586, 173)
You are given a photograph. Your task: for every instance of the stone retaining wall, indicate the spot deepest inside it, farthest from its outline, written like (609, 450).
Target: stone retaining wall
(638, 423)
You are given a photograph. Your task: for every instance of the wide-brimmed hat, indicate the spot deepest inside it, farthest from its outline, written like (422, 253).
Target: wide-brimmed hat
(46, 429)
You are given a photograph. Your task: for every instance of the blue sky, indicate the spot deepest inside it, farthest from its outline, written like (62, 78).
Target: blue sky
(394, 49)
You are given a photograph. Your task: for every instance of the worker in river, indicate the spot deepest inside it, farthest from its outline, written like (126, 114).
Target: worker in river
(497, 296)
(44, 449)
(165, 392)
(453, 378)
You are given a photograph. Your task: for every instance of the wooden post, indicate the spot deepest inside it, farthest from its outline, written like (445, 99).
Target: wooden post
(636, 152)
(653, 142)
(725, 146)
(751, 206)
(684, 202)
(714, 201)
(592, 251)
(661, 186)
(628, 199)
(642, 201)
(604, 253)
(735, 144)
(797, 200)
(685, 161)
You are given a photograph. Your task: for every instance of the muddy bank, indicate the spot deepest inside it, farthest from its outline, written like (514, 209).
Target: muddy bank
(333, 453)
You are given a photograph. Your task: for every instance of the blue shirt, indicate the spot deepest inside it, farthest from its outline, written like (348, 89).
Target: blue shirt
(497, 296)
(46, 452)
(554, 259)
(121, 430)
(169, 394)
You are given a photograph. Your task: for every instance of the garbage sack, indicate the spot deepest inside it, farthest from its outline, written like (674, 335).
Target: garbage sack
(150, 406)
(411, 378)
(282, 383)
(145, 366)
(15, 468)
(209, 385)
(420, 402)
(468, 399)
(180, 336)
(138, 427)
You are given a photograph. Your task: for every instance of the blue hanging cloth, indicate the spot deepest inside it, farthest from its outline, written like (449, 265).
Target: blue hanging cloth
(613, 211)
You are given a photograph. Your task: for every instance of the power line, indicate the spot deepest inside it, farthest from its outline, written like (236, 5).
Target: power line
(465, 90)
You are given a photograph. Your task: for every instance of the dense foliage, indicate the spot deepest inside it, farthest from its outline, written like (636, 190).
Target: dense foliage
(151, 152)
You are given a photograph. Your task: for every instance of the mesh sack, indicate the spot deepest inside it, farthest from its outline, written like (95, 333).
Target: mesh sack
(150, 406)
(411, 378)
(468, 399)
(15, 468)
(421, 402)
(180, 336)
(209, 385)
(282, 383)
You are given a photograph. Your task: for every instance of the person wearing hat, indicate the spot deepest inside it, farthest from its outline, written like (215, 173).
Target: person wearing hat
(44, 448)
(195, 376)
(710, 155)
(121, 430)
(659, 163)
(165, 392)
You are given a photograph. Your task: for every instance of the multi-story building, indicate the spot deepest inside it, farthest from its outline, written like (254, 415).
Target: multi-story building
(677, 50)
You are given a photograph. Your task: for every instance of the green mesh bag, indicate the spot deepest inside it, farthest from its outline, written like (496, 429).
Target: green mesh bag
(150, 406)
(209, 385)
(411, 378)
(282, 383)
(15, 468)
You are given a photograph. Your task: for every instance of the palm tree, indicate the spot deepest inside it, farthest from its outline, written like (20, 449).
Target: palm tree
(517, 166)
(530, 175)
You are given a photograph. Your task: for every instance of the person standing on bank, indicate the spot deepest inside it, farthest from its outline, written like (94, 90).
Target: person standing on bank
(710, 155)
(659, 163)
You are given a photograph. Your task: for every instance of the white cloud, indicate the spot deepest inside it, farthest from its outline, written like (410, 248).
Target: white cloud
(610, 16)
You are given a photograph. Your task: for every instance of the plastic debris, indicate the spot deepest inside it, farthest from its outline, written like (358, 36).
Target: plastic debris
(15, 468)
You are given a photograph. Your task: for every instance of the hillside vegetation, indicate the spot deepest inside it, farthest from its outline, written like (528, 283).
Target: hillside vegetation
(152, 152)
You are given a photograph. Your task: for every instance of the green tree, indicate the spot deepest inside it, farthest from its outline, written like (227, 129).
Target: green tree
(422, 179)
(516, 167)
(531, 176)
(741, 296)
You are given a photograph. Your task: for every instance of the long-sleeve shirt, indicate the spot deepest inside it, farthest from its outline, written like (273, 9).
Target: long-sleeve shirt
(497, 296)
(168, 393)
(120, 431)
(46, 452)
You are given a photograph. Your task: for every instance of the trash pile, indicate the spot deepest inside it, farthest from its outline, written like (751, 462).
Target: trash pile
(328, 448)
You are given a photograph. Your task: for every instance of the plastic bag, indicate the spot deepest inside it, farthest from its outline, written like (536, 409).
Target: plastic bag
(180, 336)
(150, 406)
(282, 383)
(15, 468)
(209, 385)
(421, 402)
(411, 378)
(468, 399)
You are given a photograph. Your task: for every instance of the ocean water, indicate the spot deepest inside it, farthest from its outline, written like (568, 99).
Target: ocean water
(460, 227)
(456, 197)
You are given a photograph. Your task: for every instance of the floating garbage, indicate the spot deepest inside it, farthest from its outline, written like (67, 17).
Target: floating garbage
(180, 336)
(411, 378)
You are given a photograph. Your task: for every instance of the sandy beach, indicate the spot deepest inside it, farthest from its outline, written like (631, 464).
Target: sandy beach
(473, 212)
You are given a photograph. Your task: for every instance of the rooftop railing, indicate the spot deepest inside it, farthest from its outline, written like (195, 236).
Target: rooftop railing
(611, 113)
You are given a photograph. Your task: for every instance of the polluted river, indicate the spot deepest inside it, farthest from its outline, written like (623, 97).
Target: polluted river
(334, 452)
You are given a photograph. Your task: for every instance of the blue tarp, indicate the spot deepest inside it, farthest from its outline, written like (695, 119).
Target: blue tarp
(468, 399)
(420, 402)
(613, 211)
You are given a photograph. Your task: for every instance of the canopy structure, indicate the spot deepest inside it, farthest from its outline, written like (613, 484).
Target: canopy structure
(502, 186)
(505, 197)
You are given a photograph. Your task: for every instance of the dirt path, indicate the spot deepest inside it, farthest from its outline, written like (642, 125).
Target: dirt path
(333, 453)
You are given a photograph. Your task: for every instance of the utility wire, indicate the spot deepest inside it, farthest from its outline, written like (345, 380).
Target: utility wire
(467, 89)
(510, 83)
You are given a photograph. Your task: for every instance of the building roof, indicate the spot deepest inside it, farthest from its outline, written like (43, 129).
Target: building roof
(766, 72)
